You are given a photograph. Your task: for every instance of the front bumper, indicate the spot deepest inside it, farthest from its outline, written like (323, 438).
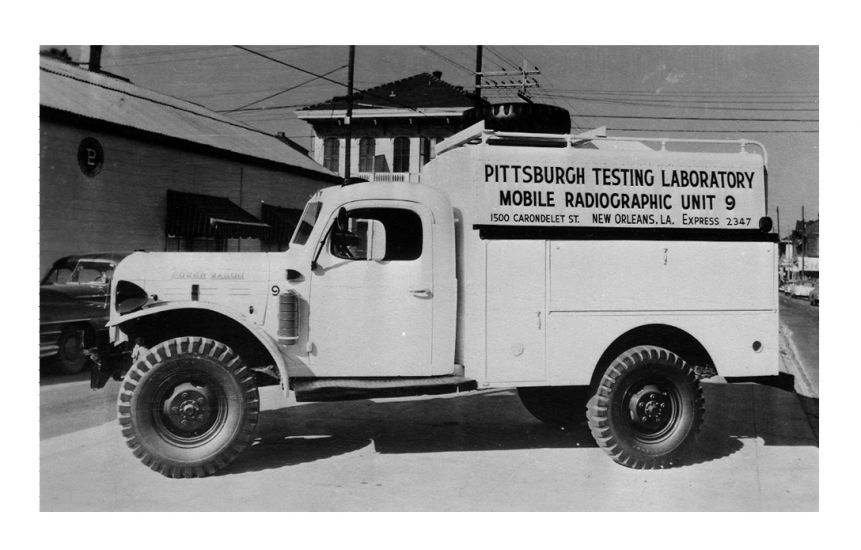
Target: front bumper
(108, 362)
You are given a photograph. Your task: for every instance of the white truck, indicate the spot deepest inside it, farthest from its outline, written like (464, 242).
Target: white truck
(601, 277)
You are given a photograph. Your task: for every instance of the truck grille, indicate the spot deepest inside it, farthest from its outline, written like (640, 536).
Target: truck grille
(288, 317)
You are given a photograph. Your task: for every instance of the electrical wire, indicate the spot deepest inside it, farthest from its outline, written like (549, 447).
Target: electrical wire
(172, 58)
(450, 61)
(697, 131)
(261, 100)
(713, 119)
(371, 94)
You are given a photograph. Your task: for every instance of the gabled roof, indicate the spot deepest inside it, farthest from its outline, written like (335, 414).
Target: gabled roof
(421, 91)
(70, 89)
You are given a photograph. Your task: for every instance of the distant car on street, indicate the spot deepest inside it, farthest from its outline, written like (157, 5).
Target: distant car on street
(801, 289)
(814, 295)
(67, 327)
(84, 276)
(73, 307)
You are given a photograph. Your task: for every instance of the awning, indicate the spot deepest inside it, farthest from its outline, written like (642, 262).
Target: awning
(194, 216)
(282, 221)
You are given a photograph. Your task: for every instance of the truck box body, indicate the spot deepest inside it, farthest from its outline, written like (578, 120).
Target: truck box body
(545, 288)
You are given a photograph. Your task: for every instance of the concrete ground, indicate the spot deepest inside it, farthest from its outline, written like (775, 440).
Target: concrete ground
(468, 452)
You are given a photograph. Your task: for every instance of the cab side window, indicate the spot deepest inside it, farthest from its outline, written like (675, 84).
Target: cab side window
(381, 234)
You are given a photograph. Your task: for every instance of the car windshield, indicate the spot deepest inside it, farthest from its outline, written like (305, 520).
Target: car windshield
(91, 272)
(306, 223)
(81, 272)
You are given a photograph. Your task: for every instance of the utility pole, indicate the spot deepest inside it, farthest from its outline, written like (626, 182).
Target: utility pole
(348, 118)
(525, 81)
(778, 223)
(803, 241)
(478, 70)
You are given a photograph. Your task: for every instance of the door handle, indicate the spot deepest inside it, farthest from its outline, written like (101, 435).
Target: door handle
(422, 293)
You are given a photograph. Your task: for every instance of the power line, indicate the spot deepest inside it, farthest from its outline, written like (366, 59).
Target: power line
(657, 101)
(171, 57)
(501, 57)
(450, 61)
(689, 131)
(675, 105)
(371, 94)
(736, 93)
(714, 119)
(279, 93)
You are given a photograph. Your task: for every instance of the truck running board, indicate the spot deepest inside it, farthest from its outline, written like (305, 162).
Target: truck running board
(340, 389)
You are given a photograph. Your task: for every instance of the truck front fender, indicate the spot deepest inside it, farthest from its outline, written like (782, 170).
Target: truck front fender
(174, 307)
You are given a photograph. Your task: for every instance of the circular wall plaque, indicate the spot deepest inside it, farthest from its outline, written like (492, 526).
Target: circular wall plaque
(91, 156)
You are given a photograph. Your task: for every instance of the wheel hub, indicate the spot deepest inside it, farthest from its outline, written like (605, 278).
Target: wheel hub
(189, 408)
(650, 408)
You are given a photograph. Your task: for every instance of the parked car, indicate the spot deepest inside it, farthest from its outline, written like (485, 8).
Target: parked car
(784, 287)
(84, 276)
(814, 295)
(67, 326)
(801, 289)
(73, 307)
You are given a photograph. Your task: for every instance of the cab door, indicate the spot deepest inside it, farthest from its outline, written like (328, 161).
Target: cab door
(372, 292)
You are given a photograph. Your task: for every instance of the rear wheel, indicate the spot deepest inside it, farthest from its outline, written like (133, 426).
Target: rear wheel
(70, 355)
(647, 408)
(556, 405)
(188, 407)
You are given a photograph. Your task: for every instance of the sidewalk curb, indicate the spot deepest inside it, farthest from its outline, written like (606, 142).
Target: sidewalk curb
(804, 390)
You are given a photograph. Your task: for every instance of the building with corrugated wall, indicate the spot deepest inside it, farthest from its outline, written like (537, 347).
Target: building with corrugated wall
(124, 168)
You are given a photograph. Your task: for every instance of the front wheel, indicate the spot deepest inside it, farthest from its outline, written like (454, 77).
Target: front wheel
(188, 407)
(647, 408)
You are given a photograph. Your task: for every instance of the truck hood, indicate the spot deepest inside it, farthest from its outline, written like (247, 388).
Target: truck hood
(198, 267)
(230, 278)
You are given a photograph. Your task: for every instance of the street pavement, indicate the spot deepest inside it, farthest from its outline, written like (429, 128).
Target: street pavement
(478, 451)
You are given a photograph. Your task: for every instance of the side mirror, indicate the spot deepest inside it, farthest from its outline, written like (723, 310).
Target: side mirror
(341, 222)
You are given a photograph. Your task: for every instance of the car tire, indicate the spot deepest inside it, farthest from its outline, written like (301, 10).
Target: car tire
(188, 407)
(71, 358)
(647, 408)
(556, 405)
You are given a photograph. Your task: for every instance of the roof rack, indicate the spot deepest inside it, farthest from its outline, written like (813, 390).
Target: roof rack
(477, 133)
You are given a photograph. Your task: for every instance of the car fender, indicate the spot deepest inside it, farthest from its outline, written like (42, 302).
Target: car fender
(261, 335)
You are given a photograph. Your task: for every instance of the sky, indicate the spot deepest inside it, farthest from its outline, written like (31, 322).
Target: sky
(768, 94)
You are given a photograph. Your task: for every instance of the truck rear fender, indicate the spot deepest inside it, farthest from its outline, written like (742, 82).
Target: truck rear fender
(669, 337)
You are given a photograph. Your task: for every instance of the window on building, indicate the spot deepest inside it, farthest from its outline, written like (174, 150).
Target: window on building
(425, 151)
(367, 150)
(401, 160)
(331, 153)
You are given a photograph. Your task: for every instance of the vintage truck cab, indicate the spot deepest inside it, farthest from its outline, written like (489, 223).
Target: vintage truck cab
(602, 277)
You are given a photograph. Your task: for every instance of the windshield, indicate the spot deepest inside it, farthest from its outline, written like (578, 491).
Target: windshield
(306, 223)
(81, 272)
